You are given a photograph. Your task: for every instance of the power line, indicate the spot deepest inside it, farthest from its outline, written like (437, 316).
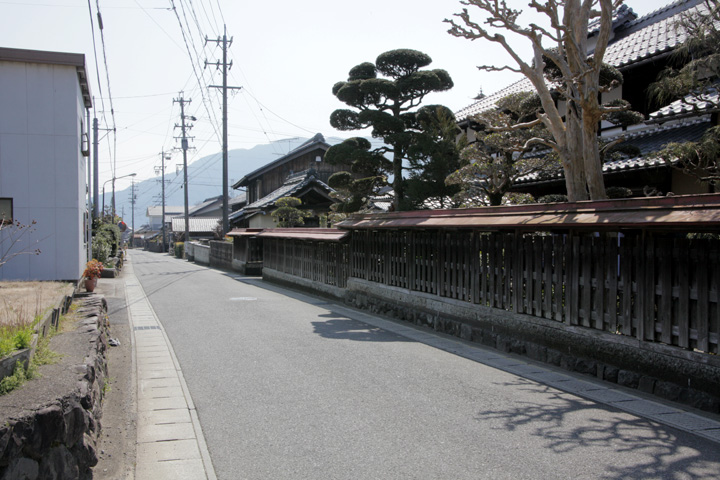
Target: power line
(107, 76)
(192, 61)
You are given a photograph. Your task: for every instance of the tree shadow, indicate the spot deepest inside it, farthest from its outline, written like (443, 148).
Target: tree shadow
(655, 450)
(338, 327)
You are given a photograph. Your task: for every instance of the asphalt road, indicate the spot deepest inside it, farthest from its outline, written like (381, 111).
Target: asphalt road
(289, 386)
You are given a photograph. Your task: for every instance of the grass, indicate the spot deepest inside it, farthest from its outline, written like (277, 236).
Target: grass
(22, 306)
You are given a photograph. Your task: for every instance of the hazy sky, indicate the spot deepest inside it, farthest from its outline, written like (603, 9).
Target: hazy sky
(286, 55)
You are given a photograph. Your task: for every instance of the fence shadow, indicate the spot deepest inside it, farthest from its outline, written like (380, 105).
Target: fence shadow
(654, 450)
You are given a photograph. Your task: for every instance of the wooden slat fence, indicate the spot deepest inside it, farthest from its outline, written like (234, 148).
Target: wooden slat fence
(324, 262)
(653, 287)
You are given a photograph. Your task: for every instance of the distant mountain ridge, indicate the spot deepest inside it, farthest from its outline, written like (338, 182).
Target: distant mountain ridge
(204, 178)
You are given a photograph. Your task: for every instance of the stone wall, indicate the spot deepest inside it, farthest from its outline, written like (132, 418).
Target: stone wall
(56, 439)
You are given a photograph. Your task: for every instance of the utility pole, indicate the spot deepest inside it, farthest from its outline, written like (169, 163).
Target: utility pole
(96, 190)
(162, 170)
(225, 67)
(185, 146)
(96, 173)
(132, 204)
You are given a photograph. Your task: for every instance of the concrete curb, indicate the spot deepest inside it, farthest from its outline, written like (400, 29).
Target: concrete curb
(170, 441)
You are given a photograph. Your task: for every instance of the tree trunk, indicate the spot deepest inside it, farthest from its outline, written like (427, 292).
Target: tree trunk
(398, 180)
(591, 154)
(573, 164)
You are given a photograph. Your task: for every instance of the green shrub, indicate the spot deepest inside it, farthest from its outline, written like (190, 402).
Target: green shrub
(7, 343)
(106, 241)
(19, 376)
(23, 338)
(554, 198)
(618, 192)
(179, 249)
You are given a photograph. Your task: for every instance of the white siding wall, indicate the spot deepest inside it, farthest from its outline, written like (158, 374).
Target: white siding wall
(42, 168)
(262, 221)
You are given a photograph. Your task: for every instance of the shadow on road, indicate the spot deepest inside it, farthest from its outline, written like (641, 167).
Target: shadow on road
(660, 451)
(343, 328)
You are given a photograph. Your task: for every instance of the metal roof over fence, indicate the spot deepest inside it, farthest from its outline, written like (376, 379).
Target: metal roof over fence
(689, 213)
(310, 234)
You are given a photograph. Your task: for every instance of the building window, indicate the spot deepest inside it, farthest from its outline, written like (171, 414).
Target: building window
(6, 210)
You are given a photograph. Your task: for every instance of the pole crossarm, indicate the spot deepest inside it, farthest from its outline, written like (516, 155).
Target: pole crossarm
(225, 43)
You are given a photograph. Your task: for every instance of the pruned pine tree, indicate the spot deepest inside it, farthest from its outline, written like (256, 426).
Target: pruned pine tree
(287, 215)
(560, 65)
(365, 174)
(501, 153)
(434, 155)
(386, 103)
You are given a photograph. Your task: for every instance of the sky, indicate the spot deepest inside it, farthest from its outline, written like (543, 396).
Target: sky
(286, 55)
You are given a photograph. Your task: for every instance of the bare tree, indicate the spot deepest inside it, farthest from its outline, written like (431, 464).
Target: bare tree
(561, 49)
(11, 233)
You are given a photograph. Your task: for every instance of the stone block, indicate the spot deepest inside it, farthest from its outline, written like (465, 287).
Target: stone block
(21, 468)
(646, 384)
(610, 374)
(466, 332)
(628, 379)
(668, 390)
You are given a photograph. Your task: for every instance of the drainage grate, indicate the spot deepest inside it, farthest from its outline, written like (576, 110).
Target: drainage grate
(154, 327)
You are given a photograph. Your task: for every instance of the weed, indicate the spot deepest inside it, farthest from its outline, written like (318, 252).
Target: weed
(106, 386)
(19, 376)
(43, 354)
(23, 338)
(7, 343)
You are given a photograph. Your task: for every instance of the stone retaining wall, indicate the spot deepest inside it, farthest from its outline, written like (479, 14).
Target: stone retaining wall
(57, 439)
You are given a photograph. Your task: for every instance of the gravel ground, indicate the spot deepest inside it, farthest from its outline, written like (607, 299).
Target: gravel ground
(116, 449)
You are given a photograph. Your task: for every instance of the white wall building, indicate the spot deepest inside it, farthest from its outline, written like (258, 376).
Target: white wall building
(44, 102)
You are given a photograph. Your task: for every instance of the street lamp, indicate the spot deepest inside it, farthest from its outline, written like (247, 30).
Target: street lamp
(113, 192)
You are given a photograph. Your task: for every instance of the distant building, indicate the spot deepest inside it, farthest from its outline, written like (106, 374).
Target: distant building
(44, 130)
(302, 173)
(155, 216)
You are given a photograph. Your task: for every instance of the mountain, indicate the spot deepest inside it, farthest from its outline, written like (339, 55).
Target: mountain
(204, 178)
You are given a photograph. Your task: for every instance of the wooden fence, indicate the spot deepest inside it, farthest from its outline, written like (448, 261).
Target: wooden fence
(326, 262)
(657, 288)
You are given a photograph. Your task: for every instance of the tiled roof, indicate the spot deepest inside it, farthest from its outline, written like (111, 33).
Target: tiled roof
(636, 40)
(648, 141)
(691, 105)
(489, 101)
(197, 224)
(621, 16)
(650, 35)
(317, 142)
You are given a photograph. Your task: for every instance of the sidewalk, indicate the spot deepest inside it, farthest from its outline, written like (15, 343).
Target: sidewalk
(170, 442)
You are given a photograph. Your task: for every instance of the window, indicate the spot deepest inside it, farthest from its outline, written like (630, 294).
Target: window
(6, 210)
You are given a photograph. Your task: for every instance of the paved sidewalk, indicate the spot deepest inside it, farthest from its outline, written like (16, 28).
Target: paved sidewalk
(170, 442)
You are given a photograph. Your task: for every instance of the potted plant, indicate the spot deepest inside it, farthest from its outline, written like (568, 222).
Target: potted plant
(92, 272)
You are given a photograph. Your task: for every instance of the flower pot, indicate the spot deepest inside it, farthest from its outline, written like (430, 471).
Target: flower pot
(90, 284)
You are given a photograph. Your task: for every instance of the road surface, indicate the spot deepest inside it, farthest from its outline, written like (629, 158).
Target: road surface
(289, 386)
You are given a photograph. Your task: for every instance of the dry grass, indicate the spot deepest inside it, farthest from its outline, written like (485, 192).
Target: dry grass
(22, 302)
